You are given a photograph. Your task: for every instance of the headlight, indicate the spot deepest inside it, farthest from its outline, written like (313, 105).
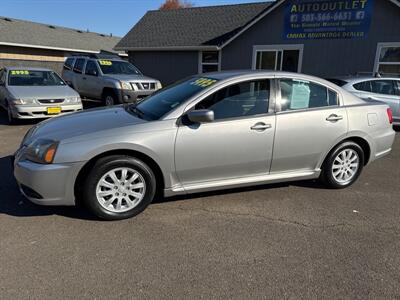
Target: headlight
(159, 85)
(23, 101)
(41, 151)
(72, 100)
(126, 85)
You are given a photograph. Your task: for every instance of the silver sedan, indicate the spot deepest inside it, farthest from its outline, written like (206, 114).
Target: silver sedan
(208, 132)
(29, 93)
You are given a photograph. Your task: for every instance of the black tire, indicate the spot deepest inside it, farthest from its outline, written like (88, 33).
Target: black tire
(10, 118)
(327, 175)
(106, 164)
(109, 98)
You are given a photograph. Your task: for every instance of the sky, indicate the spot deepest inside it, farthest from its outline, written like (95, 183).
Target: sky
(103, 16)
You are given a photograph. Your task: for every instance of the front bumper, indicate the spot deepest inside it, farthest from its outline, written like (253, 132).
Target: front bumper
(47, 184)
(40, 111)
(129, 96)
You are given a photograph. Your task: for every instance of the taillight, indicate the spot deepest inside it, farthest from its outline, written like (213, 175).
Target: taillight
(390, 115)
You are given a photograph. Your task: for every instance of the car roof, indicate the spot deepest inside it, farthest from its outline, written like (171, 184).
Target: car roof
(353, 79)
(27, 69)
(95, 58)
(226, 75)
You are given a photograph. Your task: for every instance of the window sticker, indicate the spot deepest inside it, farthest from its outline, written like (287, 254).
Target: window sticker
(105, 62)
(204, 82)
(300, 96)
(19, 72)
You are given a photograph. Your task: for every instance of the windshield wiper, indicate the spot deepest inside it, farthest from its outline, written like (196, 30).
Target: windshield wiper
(137, 111)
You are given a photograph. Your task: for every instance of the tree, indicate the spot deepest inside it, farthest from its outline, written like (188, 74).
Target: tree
(175, 4)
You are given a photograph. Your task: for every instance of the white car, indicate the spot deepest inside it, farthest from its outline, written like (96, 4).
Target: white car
(29, 93)
(386, 89)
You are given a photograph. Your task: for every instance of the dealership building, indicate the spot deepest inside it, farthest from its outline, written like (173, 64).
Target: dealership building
(321, 37)
(31, 44)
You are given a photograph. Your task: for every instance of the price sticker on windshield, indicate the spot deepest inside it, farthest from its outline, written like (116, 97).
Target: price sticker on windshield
(105, 62)
(19, 72)
(204, 82)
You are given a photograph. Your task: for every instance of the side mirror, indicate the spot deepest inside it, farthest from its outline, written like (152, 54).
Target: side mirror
(201, 116)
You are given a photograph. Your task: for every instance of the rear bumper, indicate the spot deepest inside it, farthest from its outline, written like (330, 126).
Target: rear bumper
(383, 144)
(40, 111)
(47, 184)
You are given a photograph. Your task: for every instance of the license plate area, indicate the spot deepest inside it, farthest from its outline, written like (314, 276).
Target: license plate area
(53, 110)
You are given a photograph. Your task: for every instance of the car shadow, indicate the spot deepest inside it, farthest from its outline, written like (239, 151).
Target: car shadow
(13, 203)
(4, 120)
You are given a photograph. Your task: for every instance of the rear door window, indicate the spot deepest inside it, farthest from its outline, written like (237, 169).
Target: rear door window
(79, 64)
(299, 94)
(397, 87)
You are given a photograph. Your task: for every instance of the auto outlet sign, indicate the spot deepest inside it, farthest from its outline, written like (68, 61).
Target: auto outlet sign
(327, 19)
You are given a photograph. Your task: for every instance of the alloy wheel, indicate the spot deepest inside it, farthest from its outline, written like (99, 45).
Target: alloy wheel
(345, 166)
(109, 100)
(120, 190)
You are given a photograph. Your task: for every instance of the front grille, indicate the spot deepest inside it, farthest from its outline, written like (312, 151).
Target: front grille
(145, 85)
(50, 101)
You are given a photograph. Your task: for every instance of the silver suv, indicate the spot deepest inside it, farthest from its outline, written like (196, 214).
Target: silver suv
(107, 78)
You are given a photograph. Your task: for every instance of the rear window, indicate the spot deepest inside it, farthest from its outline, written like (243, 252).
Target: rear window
(338, 82)
(80, 62)
(69, 64)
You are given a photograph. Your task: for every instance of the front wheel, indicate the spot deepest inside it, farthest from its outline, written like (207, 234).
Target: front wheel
(10, 117)
(109, 99)
(343, 165)
(119, 187)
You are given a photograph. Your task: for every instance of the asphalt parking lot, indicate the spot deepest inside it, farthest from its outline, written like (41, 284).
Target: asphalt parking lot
(282, 241)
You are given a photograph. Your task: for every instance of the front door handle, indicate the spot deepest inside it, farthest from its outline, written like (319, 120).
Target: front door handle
(260, 126)
(334, 118)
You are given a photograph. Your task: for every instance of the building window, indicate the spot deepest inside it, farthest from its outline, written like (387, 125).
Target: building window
(278, 58)
(209, 61)
(388, 58)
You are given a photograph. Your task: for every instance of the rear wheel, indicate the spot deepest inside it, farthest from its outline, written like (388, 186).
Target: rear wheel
(343, 165)
(119, 187)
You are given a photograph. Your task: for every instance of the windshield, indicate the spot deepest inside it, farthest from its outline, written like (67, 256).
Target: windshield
(34, 78)
(117, 67)
(164, 101)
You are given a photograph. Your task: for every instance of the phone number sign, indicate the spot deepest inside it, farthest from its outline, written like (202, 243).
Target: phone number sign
(327, 19)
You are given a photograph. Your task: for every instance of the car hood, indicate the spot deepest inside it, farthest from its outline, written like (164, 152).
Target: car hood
(42, 92)
(122, 77)
(82, 123)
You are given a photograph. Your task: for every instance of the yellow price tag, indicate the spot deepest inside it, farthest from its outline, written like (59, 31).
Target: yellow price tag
(204, 82)
(105, 62)
(19, 72)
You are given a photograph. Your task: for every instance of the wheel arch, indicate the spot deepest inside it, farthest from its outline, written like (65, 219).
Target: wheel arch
(84, 171)
(361, 141)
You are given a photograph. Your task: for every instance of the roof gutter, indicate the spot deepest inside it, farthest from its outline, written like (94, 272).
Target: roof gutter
(52, 48)
(270, 9)
(174, 48)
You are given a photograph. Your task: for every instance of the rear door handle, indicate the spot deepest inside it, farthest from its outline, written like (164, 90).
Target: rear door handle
(334, 118)
(260, 126)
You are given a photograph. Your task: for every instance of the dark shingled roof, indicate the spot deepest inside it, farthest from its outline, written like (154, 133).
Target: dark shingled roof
(191, 27)
(49, 36)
